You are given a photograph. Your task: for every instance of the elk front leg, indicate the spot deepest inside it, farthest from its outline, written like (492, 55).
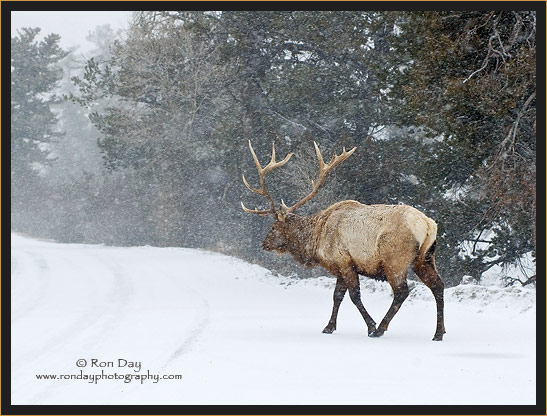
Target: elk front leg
(400, 293)
(339, 292)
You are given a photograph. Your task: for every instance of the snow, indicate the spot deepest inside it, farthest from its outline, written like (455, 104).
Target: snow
(236, 334)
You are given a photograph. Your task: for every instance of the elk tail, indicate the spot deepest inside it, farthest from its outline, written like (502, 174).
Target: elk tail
(427, 250)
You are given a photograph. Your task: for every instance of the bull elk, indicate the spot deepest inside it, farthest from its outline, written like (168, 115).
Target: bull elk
(349, 238)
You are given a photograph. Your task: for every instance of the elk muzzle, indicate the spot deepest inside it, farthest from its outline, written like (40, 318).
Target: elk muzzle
(274, 241)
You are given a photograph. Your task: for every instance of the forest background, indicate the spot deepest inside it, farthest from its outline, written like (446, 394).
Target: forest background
(144, 141)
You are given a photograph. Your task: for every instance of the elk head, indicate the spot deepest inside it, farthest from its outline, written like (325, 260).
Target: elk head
(287, 229)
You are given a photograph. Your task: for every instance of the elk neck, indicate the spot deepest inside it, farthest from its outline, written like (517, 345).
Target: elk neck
(301, 237)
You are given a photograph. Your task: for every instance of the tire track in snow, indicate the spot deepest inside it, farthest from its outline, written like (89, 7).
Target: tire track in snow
(88, 317)
(41, 280)
(78, 327)
(119, 296)
(120, 286)
(193, 337)
(190, 340)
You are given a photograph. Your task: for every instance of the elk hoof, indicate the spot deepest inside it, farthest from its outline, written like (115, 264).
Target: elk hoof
(377, 333)
(438, 337)
(371, 330)
(329, 329)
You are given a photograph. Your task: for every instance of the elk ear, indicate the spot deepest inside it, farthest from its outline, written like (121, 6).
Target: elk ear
(282, 212)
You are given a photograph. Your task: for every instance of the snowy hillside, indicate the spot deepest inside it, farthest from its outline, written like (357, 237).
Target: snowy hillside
(234, 334)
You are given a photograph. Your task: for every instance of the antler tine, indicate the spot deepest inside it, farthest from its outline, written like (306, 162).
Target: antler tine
(324, 169)
(273, 154)
(256, 211)
(249, 187)
(337, 159)
(257, 163)
(319, 157)
(262, 172)
(273, 164)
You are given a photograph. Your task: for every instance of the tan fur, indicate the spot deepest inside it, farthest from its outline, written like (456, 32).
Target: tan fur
(372, 238)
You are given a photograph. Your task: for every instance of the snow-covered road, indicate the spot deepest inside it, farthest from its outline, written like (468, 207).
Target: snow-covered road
(235, 334)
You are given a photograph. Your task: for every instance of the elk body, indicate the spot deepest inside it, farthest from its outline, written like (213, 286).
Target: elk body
(349, 238)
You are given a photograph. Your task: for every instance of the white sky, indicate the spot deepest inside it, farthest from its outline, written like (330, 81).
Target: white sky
(72, 26)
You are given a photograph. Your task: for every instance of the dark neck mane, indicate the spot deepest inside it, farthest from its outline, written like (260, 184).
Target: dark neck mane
(301, 239)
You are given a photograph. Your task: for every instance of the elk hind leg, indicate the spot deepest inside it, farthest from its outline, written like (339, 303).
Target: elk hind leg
(338, 296)
(400, 293)
(427, 273)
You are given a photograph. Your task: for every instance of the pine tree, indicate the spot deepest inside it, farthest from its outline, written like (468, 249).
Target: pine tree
(34, 75)
(468, 78)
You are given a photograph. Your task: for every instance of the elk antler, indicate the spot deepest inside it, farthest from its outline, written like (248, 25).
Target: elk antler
(324, 170)
(262, 172)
